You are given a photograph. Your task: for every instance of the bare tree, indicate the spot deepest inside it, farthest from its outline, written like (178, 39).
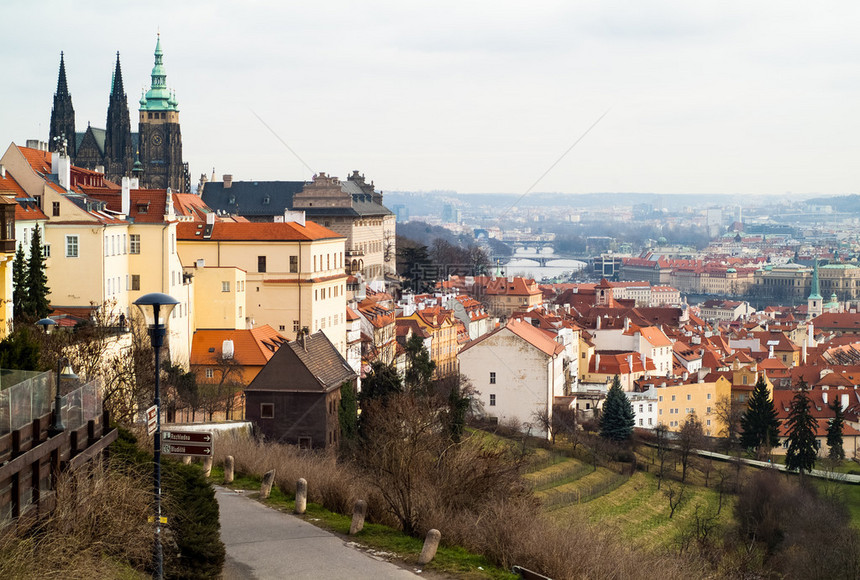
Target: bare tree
(543, 420)
(690, 438)
(661, 433)
(676, 493)
(729, 415)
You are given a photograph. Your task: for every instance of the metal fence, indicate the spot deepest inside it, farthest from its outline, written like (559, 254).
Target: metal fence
(32, 396)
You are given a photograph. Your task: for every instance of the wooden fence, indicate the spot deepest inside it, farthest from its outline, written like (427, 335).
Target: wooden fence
(32, 457)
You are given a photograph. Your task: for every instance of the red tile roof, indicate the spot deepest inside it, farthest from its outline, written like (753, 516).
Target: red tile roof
(256, 231)
(252, 347)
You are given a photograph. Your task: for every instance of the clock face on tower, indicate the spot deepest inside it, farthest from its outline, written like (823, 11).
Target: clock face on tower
(157, 139)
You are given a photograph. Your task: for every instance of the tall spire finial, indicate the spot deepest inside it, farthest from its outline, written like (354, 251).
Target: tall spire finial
(116, 87)
(62, 86)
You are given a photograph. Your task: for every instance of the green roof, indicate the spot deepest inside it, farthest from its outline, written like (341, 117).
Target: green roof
(159, 97)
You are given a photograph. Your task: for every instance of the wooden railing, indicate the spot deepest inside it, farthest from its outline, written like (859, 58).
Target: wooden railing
(32, 457)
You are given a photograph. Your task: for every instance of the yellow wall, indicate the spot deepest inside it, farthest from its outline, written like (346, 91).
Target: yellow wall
(219, 294)
(675, 404)
(314, 297)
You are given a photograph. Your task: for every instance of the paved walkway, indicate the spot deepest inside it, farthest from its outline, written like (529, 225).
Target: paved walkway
(820, 473)
(263, 544)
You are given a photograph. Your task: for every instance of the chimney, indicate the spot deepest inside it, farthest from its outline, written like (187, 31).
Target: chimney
(126, 195)
(295, 217)
(626, 324)
(228, 181)
(630, 362)
(684, 376)
(597, 325)
(169, 212)
(824, 397)
(61, 165)
(597, 362)
(210, 219)
(2, 171)
(567, 308)
(227, 349)
(844, 401)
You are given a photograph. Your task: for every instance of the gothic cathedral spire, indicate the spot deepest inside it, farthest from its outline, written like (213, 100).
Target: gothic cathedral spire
(119, 149)
(62, 115)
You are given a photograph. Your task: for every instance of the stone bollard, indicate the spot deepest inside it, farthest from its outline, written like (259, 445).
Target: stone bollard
(431, 544)
(266, 485)
(358, 514)
(228, 469)
(301, 495)
(186, 459)
(207, 466)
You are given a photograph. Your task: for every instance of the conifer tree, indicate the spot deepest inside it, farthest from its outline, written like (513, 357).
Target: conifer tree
(37, 304)
(617, 417)
(19, 283)
(418, 377)
(759, 424)
(834, 431)
(802, 428)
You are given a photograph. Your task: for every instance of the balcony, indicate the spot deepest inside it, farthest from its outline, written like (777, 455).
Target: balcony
(354, 253)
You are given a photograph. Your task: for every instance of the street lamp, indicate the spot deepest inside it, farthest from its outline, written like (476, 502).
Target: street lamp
(46, 323)
(156, 308)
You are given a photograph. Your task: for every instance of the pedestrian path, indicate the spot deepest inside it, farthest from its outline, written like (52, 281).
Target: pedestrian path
(266, 544)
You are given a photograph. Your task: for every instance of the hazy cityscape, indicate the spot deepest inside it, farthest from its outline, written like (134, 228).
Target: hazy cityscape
(453, 291)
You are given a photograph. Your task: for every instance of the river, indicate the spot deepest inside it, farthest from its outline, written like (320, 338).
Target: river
(521, 265)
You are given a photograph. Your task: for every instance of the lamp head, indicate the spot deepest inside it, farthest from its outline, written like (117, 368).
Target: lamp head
(156, 308)
(46, 324)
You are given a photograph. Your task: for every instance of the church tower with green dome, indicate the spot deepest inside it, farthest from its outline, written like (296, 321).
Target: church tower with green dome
(814, 304)
(160, 141)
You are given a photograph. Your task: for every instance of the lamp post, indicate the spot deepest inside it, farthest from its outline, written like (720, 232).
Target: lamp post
(156, 308)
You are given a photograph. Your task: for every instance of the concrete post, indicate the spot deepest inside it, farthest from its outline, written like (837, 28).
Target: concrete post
(266, 485)
(431, 544)
(207, 466)
(358, 514)
(301, 495)
(186, 459)
(228, 469)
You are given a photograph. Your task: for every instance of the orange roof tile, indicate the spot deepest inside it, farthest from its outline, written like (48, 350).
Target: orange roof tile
(252, 347)
(256, 231)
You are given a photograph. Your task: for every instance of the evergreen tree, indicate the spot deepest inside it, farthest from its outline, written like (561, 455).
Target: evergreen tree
(19, 283)
(834, 431)
(759, 424)
(347, 415)
(802, 428)
(617, 418)
(37, 304)
(418, 377)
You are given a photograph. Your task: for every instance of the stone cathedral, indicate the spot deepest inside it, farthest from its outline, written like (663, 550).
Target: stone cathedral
(153, 154)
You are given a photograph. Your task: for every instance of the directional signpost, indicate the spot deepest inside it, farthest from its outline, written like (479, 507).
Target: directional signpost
(151, 418)
(186, 443)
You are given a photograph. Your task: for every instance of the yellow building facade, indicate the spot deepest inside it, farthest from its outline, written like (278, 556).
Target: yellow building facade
(675, 404)
(294, 273)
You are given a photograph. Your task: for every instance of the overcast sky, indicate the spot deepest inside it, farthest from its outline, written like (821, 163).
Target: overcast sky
(713, 97)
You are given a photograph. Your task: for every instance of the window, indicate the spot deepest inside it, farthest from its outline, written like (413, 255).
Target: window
(47, 248)
(135, 281)
(673, 397)
(56, 208)
(492, 378)
(261, 263)
(71, 246)
(328, 261)
(709, 396)
(210, 373)
(304, 442)
(649, 407)
(689, 397)
(282, 328)
(708, 411)
(640, 407)
(294, 264)
(640, 422)
(296, 327)
(492, 400)
(135, 243)
(124, 244)
(225, 286)
(267, 410)
(649, 420)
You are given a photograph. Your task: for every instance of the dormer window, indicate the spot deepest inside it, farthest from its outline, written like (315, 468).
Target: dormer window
(266, 200)
(143, 207)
